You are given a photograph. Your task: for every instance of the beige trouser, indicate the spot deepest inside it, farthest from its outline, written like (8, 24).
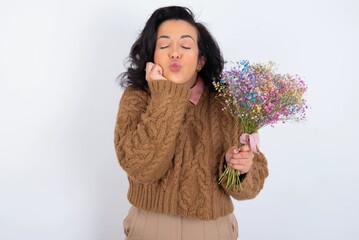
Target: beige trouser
(144, 225)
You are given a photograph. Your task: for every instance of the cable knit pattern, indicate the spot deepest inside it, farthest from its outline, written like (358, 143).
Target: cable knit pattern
(173, 152)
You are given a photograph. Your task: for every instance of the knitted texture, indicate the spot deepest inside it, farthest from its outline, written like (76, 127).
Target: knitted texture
(173, 152)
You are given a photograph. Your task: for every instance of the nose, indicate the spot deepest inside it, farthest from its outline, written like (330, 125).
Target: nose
(174, 54)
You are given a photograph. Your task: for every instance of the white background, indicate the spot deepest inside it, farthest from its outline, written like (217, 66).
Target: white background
(60, 178)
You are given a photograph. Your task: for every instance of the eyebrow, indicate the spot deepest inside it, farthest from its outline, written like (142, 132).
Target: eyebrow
(187, 36)
(183, 36)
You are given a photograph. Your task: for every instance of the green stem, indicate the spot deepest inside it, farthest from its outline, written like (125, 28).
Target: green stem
(233, 178)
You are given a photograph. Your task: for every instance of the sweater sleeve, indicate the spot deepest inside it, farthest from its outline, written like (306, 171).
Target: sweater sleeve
(253, 181)
(146, 129)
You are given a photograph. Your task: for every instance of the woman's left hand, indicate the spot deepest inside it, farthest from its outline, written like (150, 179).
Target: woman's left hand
(240, 158)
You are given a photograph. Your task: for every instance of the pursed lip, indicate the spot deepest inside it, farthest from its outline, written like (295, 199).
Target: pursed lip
(175, 66)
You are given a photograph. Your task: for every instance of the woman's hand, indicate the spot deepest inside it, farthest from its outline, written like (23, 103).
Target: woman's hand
(154, 72)
(240, 158)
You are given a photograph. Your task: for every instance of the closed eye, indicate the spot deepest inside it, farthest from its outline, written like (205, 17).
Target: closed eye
(164, 47)
(184, 47)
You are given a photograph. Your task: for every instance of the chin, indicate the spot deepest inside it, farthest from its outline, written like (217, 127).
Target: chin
(174, 79)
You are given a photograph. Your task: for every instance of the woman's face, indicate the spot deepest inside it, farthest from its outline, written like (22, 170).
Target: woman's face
(177, 52)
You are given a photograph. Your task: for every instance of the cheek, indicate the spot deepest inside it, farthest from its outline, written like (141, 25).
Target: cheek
(156, 57)
(193, 57)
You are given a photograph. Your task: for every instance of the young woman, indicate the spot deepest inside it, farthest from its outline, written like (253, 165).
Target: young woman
(172, 138)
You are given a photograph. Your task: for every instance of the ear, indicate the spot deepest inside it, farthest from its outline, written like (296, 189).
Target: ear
(201, 63)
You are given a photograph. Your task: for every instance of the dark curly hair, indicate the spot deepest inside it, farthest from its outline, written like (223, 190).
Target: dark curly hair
(143, 49)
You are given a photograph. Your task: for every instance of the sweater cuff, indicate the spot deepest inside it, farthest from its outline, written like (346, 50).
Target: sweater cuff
(164, 89)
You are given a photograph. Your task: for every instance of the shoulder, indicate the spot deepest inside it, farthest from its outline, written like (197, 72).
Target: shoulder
(217, 104)
(132, 93)
(133, 98)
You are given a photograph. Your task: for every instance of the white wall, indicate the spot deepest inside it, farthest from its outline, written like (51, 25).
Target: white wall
(59, 177)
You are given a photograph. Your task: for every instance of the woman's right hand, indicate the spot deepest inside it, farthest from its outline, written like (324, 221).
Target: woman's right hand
(154, 72)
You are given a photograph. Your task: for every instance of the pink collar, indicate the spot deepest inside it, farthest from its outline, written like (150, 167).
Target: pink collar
(196, 91)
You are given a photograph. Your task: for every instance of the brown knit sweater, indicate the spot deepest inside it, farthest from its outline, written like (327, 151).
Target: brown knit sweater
(173, 152)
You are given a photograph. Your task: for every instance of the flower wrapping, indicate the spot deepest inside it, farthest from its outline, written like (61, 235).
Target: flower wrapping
(256, 95)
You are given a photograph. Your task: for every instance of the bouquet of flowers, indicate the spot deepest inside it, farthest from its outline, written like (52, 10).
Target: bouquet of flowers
(258, 96)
